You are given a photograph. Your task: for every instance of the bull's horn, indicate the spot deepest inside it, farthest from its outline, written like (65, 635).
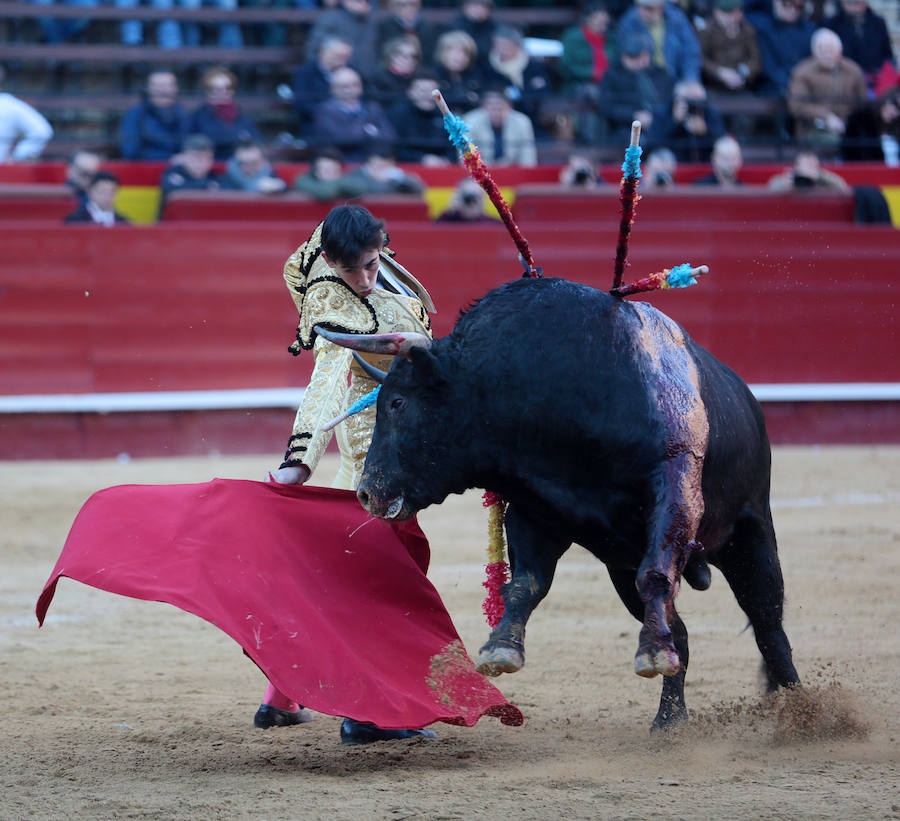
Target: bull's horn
(398, 344)
(375, 374)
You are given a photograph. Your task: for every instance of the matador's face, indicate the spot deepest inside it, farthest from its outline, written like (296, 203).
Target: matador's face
(361, 274)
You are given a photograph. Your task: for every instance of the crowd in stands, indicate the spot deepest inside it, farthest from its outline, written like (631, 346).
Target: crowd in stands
(362, 95)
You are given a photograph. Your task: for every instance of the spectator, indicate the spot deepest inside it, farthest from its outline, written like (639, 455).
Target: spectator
(633, 88)
(404, 19)
(80, 170)
(584, 61)
(23, 130)
(584, 58)
(466, 204)
(220, 118)
(476, 19)
(99, 206)
(421, 137)
(807, 174)
(822, 92)
(731, 59)
(864, 36)
(696, 124)
(311, 83)
(348, 122)
(783, 37)
(324, 180)
(527, 77)
(380, 174)
(675, 45)
(461, 79)
(727, 160)
(155, 128)
(193, 170)
(249, 170)
(350, 20)
(579, 172)
(401, 58)
(172, 34)
(56, 30)
(659, 169)
(504, 136)
(873, 131)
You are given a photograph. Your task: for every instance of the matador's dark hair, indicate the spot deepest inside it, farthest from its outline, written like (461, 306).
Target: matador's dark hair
(349, 231)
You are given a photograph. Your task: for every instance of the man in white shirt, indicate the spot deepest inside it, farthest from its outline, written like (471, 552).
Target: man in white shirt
(23, 131)
(503, 135)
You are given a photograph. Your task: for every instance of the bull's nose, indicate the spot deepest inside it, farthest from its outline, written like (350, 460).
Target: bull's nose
(363, 497)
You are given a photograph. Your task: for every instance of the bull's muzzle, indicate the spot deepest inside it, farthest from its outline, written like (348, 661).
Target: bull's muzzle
(384, 509)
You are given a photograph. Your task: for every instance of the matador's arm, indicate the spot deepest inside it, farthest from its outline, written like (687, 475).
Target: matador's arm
(323, 400)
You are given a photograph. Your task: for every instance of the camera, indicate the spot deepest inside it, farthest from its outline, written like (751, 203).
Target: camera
(696, 108)
(469, 198)
(581, 177)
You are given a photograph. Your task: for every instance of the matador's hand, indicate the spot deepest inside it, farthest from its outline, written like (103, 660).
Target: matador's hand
(293, 475)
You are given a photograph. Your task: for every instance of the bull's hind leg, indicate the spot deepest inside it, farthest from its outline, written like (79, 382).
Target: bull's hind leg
(672, 708)
(533, 555)
(749, 562)
(671, 533)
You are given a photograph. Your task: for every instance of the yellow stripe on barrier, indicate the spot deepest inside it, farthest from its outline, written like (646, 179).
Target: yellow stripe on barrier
(140, 203)
(892, 195)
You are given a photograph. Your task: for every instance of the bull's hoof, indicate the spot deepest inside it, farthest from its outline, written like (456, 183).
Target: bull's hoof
(669, 718)
(696, 573)
(659, 661)
(492, 661)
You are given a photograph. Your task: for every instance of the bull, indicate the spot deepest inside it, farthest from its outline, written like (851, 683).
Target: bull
(601, 423)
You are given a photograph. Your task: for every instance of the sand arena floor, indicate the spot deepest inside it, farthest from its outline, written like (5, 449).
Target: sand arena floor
(126, 709)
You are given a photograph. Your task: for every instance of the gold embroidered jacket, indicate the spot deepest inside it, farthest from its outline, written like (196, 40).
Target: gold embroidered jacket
(337, 381)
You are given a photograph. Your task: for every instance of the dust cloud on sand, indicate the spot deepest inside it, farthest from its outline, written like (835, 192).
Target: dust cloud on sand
(124, 709)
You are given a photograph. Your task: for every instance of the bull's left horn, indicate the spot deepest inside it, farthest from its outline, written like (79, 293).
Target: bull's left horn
(398, 344)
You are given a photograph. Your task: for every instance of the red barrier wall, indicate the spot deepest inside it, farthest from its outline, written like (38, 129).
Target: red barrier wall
(243, 206)
(149, 173)
(202, 306)
(194, 306)
(541, 204)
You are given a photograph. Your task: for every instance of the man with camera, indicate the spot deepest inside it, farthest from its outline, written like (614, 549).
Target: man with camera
(696, 124)
(579, 172)
(807, 174)
(467, 204)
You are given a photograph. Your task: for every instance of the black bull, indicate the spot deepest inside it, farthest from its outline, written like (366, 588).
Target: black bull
(603, 423)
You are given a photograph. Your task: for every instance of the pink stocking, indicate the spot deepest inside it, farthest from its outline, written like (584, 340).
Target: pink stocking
(275, 698)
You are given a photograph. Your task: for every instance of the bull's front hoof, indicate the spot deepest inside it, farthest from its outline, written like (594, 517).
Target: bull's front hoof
(659, 661)
(492, 661)
(669, 718)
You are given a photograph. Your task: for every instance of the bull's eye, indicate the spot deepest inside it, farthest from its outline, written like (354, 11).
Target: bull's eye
(397, 403)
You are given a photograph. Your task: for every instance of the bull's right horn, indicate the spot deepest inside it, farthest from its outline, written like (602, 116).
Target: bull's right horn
(398, 344)
(375, 374)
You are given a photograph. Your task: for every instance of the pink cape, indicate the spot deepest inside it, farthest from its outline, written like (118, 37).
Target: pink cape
(329, 602)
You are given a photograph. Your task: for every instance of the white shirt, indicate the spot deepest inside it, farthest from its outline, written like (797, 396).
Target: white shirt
(107, 218)
(891, 150)
(23, 131)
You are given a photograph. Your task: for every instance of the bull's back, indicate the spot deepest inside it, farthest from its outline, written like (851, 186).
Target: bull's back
(566, 353)
(614, 383)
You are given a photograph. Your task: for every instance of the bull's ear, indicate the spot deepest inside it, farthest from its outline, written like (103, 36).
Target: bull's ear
(426, 365)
